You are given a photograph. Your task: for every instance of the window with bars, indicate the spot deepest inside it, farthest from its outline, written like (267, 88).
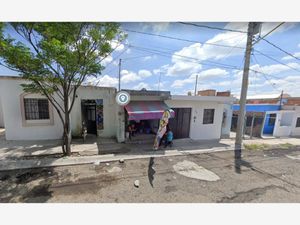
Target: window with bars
(36, 109)
(208, 116)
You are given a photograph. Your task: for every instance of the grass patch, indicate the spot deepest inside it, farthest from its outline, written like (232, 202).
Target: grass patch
(257, 146)
(286, 146)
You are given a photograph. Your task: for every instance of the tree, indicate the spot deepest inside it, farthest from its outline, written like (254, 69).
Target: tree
(57, 58)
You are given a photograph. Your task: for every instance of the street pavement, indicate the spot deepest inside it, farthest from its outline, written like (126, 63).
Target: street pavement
(261, 176)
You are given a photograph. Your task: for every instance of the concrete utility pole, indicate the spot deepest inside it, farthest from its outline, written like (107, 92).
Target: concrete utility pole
(196, 85)
(120, 61)
(253, 28)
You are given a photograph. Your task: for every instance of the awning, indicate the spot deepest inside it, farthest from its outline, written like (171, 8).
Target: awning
(147, 110)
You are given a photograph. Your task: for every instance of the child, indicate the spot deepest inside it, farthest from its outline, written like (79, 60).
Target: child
(169, 139)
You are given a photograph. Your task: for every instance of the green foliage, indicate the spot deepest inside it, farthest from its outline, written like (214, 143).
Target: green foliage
(55, 55)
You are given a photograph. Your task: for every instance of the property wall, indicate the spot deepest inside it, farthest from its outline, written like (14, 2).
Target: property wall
(295, 131)
(198, 130)
(10, 92)
(283, 124)
(109, 110)
(226, 125)
(1, 115)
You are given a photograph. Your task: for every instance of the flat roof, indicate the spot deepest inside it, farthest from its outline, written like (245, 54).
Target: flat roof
(203, 98)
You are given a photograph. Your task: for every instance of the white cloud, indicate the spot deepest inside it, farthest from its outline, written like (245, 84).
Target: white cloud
(288, 57)
(156, 27)
(129, 76)
(141, 85)
(146, 58)
(103, 81)
(213, 73)
(106, 60)
(144, 73)
(116, 45)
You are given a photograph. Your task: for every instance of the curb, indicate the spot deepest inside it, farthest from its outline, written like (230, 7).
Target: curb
(80, 160)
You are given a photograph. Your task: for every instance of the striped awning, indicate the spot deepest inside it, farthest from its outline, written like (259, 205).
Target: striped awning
(147, 110)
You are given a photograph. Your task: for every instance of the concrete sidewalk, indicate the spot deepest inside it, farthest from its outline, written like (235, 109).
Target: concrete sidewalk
(31, 154)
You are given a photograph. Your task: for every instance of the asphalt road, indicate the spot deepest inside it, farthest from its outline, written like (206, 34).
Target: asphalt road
(262, 176)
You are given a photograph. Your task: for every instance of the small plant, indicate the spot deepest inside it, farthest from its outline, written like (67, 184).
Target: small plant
(257, 146)
(286, 146)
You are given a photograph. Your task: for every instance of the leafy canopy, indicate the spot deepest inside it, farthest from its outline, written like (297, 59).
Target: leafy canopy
(55, 55)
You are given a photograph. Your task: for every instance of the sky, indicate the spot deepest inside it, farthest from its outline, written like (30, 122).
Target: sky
(153, 62)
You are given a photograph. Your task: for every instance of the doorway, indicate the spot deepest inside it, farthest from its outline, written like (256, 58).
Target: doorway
(88, 108)
(269, 123)
(180, 124)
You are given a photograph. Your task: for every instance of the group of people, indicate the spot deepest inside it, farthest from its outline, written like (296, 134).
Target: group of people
(142, 127)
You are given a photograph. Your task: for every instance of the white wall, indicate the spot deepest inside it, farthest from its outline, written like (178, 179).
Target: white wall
(10, 91)
(295, 130)
(225, 133)
(109, 110)
(281, 128)
(1, 115)
(198, 130)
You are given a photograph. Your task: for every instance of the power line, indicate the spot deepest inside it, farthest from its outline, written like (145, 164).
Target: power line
(180, 39)
(275, 46)
(271, 58)
(264, 75)
(192, 59)
(214, 28)
(268, 33)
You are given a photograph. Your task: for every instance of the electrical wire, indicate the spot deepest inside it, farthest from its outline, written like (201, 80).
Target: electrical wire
(180, 39)
(275, 60)
(260, 38)
(213, 28)
(277, 47)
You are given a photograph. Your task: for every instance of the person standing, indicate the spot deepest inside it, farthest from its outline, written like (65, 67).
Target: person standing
(169, 138)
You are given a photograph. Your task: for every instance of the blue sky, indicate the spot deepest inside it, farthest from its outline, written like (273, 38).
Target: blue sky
(146, 59)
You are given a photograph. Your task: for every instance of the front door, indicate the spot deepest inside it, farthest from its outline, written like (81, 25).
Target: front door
(180, 125)
(89, 115)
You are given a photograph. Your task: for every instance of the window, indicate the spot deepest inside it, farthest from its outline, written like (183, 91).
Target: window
(298, 122)
(272, 119)
(36, 109)
(208, 116)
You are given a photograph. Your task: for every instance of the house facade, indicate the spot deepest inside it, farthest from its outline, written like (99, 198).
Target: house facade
(28, 116)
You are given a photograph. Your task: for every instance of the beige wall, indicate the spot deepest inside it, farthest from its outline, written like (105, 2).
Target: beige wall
(11, 91)
(109, 110)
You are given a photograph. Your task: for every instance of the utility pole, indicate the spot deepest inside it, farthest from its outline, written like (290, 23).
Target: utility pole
(280, 102)
(196, 85)
(253, 28)
(120, 61)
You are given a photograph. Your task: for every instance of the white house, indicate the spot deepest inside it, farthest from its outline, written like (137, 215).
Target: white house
(28, 116)
(31, 117)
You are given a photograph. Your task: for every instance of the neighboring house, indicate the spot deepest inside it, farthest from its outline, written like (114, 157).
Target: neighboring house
(31, 117)
(269, 120)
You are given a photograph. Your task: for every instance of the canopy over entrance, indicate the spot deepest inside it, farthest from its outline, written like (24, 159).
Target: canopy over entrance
(147, 110)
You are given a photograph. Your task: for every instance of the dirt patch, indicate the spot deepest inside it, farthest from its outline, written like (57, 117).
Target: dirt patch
(169, 189)
(250, 195)
(31, 175)
(84, 185)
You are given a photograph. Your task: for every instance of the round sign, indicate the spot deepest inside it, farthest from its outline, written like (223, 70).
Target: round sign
(122, 98)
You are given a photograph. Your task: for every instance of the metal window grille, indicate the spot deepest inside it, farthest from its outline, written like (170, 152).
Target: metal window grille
(36, 109)
(208, 116)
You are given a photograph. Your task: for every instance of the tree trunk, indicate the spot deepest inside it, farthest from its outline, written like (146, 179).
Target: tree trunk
(67, 127)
